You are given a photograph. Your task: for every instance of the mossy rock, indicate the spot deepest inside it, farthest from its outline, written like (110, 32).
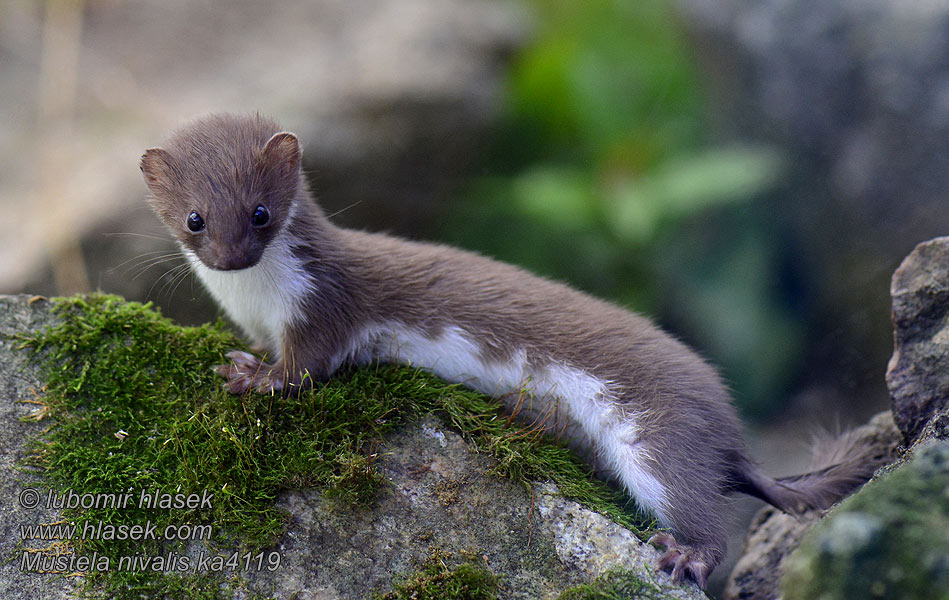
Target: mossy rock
(889, 541)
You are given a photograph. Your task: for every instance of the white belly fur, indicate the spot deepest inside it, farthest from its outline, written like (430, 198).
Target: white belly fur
(586, 399)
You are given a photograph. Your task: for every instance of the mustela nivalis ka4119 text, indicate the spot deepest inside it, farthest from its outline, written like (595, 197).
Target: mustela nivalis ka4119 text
(314, 296)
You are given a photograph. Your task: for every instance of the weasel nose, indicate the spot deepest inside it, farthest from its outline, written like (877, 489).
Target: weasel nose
(233, 257)
(238, 260)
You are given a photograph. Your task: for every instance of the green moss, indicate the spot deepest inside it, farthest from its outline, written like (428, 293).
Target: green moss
(437, 580)
(137, 406)
(616, 584)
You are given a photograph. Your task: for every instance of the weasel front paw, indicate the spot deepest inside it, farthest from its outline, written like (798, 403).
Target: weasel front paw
(246, 372)
(683, 560)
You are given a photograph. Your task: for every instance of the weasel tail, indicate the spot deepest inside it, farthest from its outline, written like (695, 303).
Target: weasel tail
(840, 465)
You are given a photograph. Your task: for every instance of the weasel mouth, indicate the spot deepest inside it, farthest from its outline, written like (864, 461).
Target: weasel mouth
(233, 263)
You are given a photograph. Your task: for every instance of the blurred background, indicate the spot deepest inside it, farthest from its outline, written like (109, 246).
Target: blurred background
(746, 172)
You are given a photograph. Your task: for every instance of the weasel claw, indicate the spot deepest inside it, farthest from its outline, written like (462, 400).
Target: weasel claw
(663, 540)
(683, 560)
(244, 360)
(246, 371)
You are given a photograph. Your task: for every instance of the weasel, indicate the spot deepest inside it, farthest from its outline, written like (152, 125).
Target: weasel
(314, 296)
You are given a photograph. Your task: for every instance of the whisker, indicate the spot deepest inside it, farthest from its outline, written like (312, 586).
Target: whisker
(144, 235)
(152, 263)
(145, 255)
(180, 275)
(173, 272)
(342, 210)
(167, 290)
(181, 278)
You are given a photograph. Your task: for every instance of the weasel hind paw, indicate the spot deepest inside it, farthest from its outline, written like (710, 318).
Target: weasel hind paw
(681, 559)
(246, 372)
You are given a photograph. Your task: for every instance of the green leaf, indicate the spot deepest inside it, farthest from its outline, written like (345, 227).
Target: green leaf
(561, 196)
(686, 186)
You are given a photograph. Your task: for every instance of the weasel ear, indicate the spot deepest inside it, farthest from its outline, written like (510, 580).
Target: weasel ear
(158, 168)
(282, 153)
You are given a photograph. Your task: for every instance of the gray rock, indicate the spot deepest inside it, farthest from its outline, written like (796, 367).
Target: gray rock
(438, 495)
(774, 535)
(888, 541)
(18, 385)
(918, 374)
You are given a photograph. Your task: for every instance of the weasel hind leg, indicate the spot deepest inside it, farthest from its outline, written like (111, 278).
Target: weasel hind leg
(695, 543)
(687, 498)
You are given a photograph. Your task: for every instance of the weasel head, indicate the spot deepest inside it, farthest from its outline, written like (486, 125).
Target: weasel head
(225, 186)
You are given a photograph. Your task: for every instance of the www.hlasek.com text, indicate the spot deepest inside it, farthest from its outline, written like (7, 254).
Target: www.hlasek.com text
(99, 530)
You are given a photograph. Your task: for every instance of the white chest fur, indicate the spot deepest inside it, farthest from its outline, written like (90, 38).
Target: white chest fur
(262, 299)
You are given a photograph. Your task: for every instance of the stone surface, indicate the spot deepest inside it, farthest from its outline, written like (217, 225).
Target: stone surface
(888, 541)
(437, 495)
(918, 374)
(774, 535)
(18, 382)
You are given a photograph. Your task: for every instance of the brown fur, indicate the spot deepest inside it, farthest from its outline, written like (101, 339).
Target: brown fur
(223, 166)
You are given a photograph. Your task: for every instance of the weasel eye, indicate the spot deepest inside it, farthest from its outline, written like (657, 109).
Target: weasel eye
(260, 217)
(195, 222)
